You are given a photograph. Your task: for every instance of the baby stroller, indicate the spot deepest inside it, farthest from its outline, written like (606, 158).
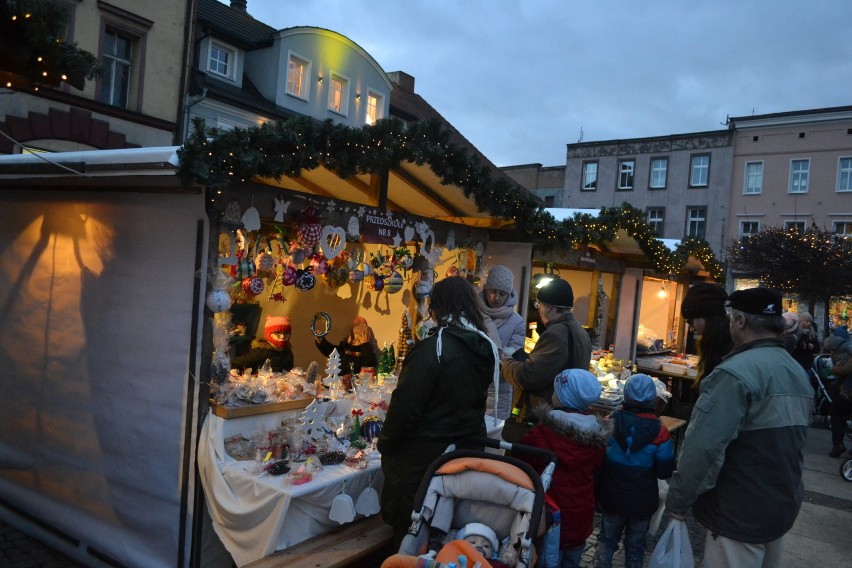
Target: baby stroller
(468, 486)
(821, 377)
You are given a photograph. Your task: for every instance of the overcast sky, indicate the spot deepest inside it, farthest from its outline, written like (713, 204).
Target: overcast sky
(522, 78)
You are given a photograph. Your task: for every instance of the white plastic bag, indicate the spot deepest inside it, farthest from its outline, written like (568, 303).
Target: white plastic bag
(673, 550)
(663, 488)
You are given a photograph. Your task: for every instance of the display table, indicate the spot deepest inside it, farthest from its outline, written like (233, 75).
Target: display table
(680, 385)
(255, 515)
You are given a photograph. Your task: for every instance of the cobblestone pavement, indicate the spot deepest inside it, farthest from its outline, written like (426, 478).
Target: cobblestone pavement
(17, 550)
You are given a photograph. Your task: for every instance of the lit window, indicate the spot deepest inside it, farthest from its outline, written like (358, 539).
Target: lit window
(700, 171)
(844, 174)
(297, 77)
(590, 176)
(656, 219)
(749, 227)
(696, 222)
(221, 60)
(753, 178)
(625, 174)
(338, 95)
(374, 108)
(117, 61)
(659, 173)
(799, 172)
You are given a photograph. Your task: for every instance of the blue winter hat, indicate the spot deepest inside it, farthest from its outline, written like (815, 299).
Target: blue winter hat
(640, 391)
(841, 332)
(576, 388)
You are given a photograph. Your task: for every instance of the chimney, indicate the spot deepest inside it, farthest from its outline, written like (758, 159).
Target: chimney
(403, 80)
(239, 5)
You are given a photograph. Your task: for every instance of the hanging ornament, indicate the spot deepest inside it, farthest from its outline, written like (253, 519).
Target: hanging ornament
(218, 300)
(231, 216)
(280, 209)
(231, 259)
(393, 283)
(305, 280)
(452, 271)
(353, 231)
(385, 270)
(251, 218)
(356, 276)
(409, 234)
(332, 241)
(289, 276)
(371, 427)
(297, 253)
(253, 286)
(319, 264)
(309, 230)
(379, 284)
(451, 241)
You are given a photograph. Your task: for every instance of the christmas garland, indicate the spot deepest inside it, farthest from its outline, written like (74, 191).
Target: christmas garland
(286, 148)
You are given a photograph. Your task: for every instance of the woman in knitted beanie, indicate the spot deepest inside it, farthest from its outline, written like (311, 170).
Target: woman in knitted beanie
(498, 301)
(703, 308)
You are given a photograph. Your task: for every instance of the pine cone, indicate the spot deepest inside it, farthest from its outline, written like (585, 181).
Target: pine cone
(311, 375)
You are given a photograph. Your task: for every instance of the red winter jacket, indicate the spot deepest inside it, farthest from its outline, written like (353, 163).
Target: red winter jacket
(579, 440)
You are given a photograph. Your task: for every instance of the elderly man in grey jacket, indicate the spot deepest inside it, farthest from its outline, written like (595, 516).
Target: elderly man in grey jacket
(740, 469)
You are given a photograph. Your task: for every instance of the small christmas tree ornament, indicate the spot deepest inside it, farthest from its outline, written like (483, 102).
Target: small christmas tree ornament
(332, 369)
(355, 434)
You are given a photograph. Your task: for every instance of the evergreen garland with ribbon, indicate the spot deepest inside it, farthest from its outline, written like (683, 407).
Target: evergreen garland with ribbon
(215, 158)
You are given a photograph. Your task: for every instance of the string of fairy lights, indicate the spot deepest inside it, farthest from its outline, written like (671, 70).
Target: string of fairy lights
(286, 148)
(32, 51)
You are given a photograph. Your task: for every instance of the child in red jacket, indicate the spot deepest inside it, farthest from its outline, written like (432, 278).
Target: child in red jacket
(579, 439)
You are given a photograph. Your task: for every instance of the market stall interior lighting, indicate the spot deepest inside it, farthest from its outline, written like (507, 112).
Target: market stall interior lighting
(663, 292)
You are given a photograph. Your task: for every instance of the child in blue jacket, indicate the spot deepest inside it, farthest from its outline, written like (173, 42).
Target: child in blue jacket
(639, 453)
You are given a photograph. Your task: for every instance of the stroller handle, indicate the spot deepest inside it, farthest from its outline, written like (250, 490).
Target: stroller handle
(518, 448)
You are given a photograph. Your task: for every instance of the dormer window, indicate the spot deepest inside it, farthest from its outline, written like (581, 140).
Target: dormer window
(375, 107)
(222, 60)
(298, 72)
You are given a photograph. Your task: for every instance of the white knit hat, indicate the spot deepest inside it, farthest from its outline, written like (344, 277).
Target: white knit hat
(479, 529)
(499, 278)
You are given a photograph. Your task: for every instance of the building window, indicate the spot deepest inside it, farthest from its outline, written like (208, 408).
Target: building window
(375, 107)
(843, 228)
(659, 172)
(753, 183)
(338, 95)
(590, 176)
(799, 171)
(699, 168)
(798, 226)
(298, 72)
(656, 219)
(844, 174)
(625, 174)
(222, 61)
(749, 227)
(549, 200)
(117, 63)
(696, 222)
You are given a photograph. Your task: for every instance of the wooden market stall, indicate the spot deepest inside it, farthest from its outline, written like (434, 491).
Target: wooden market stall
(108, 342)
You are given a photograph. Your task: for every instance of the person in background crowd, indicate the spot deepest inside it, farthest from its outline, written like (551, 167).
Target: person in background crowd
(439, 399)
(579, 440)
(740, 467)
(563, 344)
(274, 346)
(807, 345)
(839, 346)
(498, 307)
(703, 308)
(356, 351)
(791, 331)
(640, 452)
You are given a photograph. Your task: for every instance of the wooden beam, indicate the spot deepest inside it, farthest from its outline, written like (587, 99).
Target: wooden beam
(423, 190)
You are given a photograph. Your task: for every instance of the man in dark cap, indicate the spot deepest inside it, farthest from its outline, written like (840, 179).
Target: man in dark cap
(740, 468)
(563, 344)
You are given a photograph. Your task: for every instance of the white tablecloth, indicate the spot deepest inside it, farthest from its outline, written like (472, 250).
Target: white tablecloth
(256, 515)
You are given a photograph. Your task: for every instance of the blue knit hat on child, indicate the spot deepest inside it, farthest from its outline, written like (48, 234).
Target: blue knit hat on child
(576, 388)
(639, 390)
(841, 331)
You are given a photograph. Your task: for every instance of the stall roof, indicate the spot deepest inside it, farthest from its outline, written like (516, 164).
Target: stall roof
(411, 188)
(623, 244)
